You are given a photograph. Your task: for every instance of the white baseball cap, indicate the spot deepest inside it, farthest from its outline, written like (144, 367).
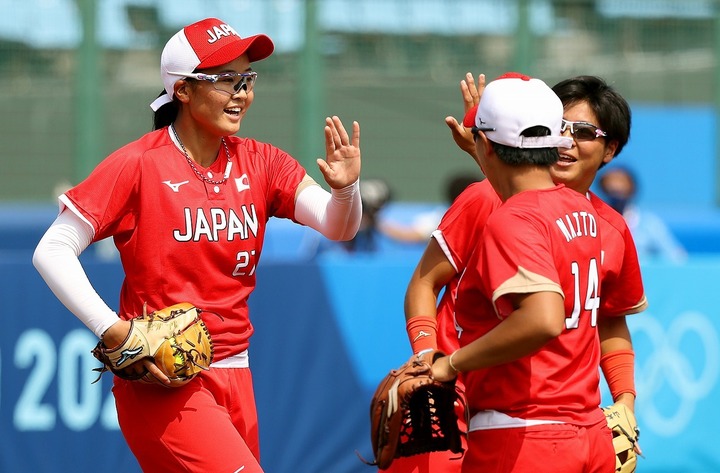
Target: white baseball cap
(207, 43)
(511, 104)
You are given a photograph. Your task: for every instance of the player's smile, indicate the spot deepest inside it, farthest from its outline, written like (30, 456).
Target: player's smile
(234, 112)
(563, 169)
(566, 160)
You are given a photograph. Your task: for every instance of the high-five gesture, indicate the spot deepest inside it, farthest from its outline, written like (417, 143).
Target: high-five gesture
(471, 94)
(341, 166)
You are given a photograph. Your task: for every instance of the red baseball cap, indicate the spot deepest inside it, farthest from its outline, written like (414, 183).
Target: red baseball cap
(207, 43)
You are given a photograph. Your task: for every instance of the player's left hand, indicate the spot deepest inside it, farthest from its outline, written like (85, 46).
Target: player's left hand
(169, 346)
(625, 432)
(628, 400)
(341, 166)
(145, 369)
(471, 93)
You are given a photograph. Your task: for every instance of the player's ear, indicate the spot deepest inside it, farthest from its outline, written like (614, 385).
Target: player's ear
(609, 152)
(483, 144)
(182, 90)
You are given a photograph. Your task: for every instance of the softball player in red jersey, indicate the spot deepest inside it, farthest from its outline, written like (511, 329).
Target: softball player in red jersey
(551, 393)
(456, 235)
(447, 253)
(527, 303)
(187, 206)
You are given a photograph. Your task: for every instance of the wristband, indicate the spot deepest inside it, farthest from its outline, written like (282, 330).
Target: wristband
(618, 368)
(422, 332)
(450, 362)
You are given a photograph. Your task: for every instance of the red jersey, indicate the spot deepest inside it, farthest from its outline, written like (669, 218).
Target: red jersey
(544, 240)
(183, 239)
(461, 227)
(622, 286)
(458, 233)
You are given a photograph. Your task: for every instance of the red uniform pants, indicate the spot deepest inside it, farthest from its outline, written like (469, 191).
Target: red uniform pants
(541, 449)
(210, 424)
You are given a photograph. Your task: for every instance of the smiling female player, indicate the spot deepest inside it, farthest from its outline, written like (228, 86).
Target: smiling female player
(187, 206)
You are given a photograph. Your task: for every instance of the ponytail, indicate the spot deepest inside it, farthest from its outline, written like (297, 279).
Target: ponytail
(165, 115)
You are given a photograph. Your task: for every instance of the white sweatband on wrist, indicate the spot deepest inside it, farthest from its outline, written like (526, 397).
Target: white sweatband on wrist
(56, 259)
(335, 214)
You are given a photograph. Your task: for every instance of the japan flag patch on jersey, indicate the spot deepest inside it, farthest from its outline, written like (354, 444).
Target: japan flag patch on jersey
(242, 183)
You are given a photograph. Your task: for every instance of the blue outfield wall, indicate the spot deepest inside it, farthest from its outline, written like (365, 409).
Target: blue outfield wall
(329, 327)
(327, 330)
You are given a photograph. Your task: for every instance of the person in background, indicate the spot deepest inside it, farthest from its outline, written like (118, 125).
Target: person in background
(187, 206)
(653, 238)
(375, 195)
(420, 229)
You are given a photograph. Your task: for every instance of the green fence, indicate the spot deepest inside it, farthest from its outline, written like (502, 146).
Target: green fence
(69, 99)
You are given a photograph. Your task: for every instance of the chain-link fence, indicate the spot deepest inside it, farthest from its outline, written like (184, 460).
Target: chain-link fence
(68, 99)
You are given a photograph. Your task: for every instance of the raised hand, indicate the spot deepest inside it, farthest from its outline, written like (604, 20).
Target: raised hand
(341, 166)
(471, 94)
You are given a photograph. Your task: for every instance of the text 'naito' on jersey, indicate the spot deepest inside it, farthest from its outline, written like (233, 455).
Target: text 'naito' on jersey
(577, 224)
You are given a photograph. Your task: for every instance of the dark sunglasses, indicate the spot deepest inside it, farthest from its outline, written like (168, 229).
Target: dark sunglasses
(582, 131)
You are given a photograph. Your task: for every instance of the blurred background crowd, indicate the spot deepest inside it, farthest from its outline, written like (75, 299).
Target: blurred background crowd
(78, 74)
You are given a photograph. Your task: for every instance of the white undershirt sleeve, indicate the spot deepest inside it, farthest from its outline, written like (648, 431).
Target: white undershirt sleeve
(56, 259)
(335, 214)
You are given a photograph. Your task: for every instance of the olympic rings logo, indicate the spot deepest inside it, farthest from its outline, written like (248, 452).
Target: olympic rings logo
(690, 377)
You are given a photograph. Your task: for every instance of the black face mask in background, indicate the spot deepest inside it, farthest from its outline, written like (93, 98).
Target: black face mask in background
(617, 201)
